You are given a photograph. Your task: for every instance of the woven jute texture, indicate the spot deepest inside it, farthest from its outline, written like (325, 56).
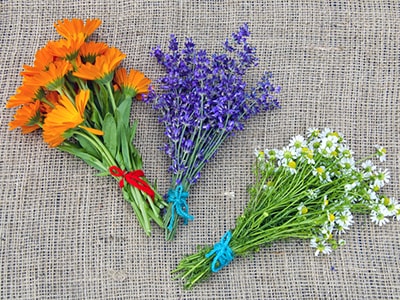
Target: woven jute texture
(66, 234)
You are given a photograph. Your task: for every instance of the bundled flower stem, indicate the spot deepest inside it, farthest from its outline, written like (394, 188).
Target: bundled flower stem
(204, 100)
(306, 190)
(82, 102)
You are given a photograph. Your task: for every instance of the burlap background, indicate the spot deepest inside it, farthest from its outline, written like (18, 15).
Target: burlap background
(67, 234)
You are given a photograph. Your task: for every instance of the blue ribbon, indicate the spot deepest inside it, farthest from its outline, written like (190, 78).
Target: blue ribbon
(223, 253)
(179, 205)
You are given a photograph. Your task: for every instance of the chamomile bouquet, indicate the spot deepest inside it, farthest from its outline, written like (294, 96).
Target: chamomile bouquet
(309, 189)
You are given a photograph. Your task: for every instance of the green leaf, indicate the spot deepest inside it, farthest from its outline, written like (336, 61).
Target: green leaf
(125, 148)
(133, 131)
(103, 100)
(96, 118)
(102, 174)
(124, 111)
(82, 154)
(111, 135)
(89, 148)
(136, 157)
(120, 160)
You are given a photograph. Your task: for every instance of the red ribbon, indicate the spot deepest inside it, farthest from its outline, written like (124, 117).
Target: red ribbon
(133, 178)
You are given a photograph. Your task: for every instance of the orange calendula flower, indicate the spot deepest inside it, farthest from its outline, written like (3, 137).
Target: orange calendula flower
(49, 102)
(43, 58)
(103, 68)
(135, 83)
(67, 48)
(26, 93)
(53, 78)
(64, 117)
(68, 28)
(27, 117)
(90, 50)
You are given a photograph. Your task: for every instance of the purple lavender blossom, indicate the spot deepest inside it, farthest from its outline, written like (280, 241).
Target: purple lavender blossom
(203, 99)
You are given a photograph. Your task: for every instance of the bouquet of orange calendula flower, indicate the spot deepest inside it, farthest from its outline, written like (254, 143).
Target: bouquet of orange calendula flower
(81, 99)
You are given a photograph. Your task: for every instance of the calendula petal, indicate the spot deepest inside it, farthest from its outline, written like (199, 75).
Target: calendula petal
(92, 130)
(135, 81)
(81, 100)
(27, 118)
(104, 65)
(67, 28)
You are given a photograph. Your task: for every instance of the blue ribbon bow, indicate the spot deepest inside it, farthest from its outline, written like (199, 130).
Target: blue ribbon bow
(224, 254)
(179, 205)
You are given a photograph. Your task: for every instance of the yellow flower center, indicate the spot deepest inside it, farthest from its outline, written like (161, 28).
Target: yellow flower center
(304, 210)
(292, 164)
(386, 201)
(331, 217)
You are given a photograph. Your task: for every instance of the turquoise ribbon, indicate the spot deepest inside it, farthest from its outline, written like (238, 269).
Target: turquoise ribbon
(178, 198)
(223, 253)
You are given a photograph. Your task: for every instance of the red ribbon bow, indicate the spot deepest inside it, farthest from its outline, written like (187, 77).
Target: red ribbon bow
(133, 178)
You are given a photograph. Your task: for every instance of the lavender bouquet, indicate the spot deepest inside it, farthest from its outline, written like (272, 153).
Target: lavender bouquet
(204, 100)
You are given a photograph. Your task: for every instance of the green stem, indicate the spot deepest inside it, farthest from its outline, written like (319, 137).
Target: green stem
(145, 222)
(94, 140)
(111, 95)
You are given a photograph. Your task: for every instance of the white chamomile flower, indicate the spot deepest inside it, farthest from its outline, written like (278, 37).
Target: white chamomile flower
(328, 146)
(286, 153)
(372, 195)
(381, 178)
(298, 142)
(351, 186)
(378, 215)
(308, 155)
(322, 174)
(313, 193)
(345, 219)
(384, 210)
(313, 132)
(345, 152)
(380, 153)
(391, 205)
(368, 169)
(352, 199)
(302, 209)
(260, 154)
(321, 246)
(398, 215)
(348, 164)
(325, 202)
(331, 217)
(325, 132)
(291, 166)
(326, 230)
(272, 153)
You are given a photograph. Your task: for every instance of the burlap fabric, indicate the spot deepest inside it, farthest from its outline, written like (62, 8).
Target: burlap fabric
(65, 233)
